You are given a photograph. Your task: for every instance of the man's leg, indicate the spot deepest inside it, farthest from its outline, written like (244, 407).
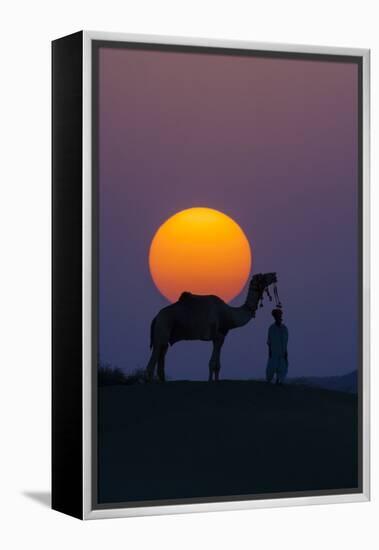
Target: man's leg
(282, 372)
(269, 372)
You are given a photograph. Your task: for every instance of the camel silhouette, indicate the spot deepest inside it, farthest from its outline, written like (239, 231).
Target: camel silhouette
(196, 317)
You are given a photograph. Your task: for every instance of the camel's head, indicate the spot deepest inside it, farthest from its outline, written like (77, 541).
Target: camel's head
(261, 281)
(258, 285)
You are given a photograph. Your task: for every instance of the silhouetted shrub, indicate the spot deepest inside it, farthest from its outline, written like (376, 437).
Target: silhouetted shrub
(110, 376)
(114, 376)
(136, 377)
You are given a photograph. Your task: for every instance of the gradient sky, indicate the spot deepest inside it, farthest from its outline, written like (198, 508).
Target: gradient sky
(271, 143)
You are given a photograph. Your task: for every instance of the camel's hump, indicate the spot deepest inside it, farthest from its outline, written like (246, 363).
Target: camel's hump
(189, 297)
(185, 296)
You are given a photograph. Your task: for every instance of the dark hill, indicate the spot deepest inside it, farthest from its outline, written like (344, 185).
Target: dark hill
(346, 382)
(201, 440)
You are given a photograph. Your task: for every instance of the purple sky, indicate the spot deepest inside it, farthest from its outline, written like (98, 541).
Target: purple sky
(271, 143)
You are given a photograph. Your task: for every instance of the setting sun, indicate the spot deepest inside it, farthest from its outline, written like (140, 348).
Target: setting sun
(202, 251)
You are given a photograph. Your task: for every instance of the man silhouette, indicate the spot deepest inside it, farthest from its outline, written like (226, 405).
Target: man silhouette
(277, 341)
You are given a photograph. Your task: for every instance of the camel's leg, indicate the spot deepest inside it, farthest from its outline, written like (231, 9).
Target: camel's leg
(151, 364)
(210, 377)
(214, 362)
(161, 358)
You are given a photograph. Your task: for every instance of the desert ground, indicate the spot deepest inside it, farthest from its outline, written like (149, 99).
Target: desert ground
(206, 441)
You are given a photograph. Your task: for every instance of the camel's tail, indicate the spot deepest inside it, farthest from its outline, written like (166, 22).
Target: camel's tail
(152, 331)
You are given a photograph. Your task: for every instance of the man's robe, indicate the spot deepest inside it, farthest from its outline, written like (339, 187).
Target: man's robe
(277, 364)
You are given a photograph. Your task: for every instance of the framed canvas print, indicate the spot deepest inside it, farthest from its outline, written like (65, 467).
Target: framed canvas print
(210, 275)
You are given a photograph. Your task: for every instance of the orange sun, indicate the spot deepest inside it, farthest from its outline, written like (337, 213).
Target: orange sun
(202, 251)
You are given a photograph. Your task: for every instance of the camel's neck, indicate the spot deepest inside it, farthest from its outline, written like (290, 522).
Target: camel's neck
(240, 316)
(252, 299)
(243, 314)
